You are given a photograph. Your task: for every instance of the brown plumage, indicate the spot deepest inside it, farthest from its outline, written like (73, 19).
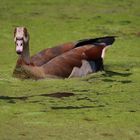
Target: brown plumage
(67, 60)
(47, 54)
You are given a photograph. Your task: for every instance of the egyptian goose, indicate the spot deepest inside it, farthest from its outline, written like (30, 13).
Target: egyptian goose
(73, 59)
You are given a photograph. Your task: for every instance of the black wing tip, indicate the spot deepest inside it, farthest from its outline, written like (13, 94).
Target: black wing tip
(107, 40)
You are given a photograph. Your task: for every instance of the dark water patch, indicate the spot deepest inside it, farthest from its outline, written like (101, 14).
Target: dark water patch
(127, 69)
(75, 107)
(81, 90)
(34, 101)
(22, 134)
(113, 73)
(109, 80)
(101, 93)
(35, 13)
(132, 111)
(126, 81)
(108, 116)
(89, 119)
(107, 77)
(87, 98)
(59, 94)
(107, 134)
(14, 98)
(101, 106)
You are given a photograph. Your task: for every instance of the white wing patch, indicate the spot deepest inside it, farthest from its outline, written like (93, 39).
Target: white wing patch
(82, 71)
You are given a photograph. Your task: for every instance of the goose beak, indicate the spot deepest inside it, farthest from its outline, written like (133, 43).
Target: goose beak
(19, 49)
(18, 52)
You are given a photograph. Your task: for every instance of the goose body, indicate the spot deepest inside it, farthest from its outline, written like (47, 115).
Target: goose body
(73, 59)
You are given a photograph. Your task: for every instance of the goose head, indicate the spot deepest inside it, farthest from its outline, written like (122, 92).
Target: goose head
(21, 38)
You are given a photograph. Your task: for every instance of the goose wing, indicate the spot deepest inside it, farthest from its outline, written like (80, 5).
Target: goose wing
(47, 54)
(63, 65)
